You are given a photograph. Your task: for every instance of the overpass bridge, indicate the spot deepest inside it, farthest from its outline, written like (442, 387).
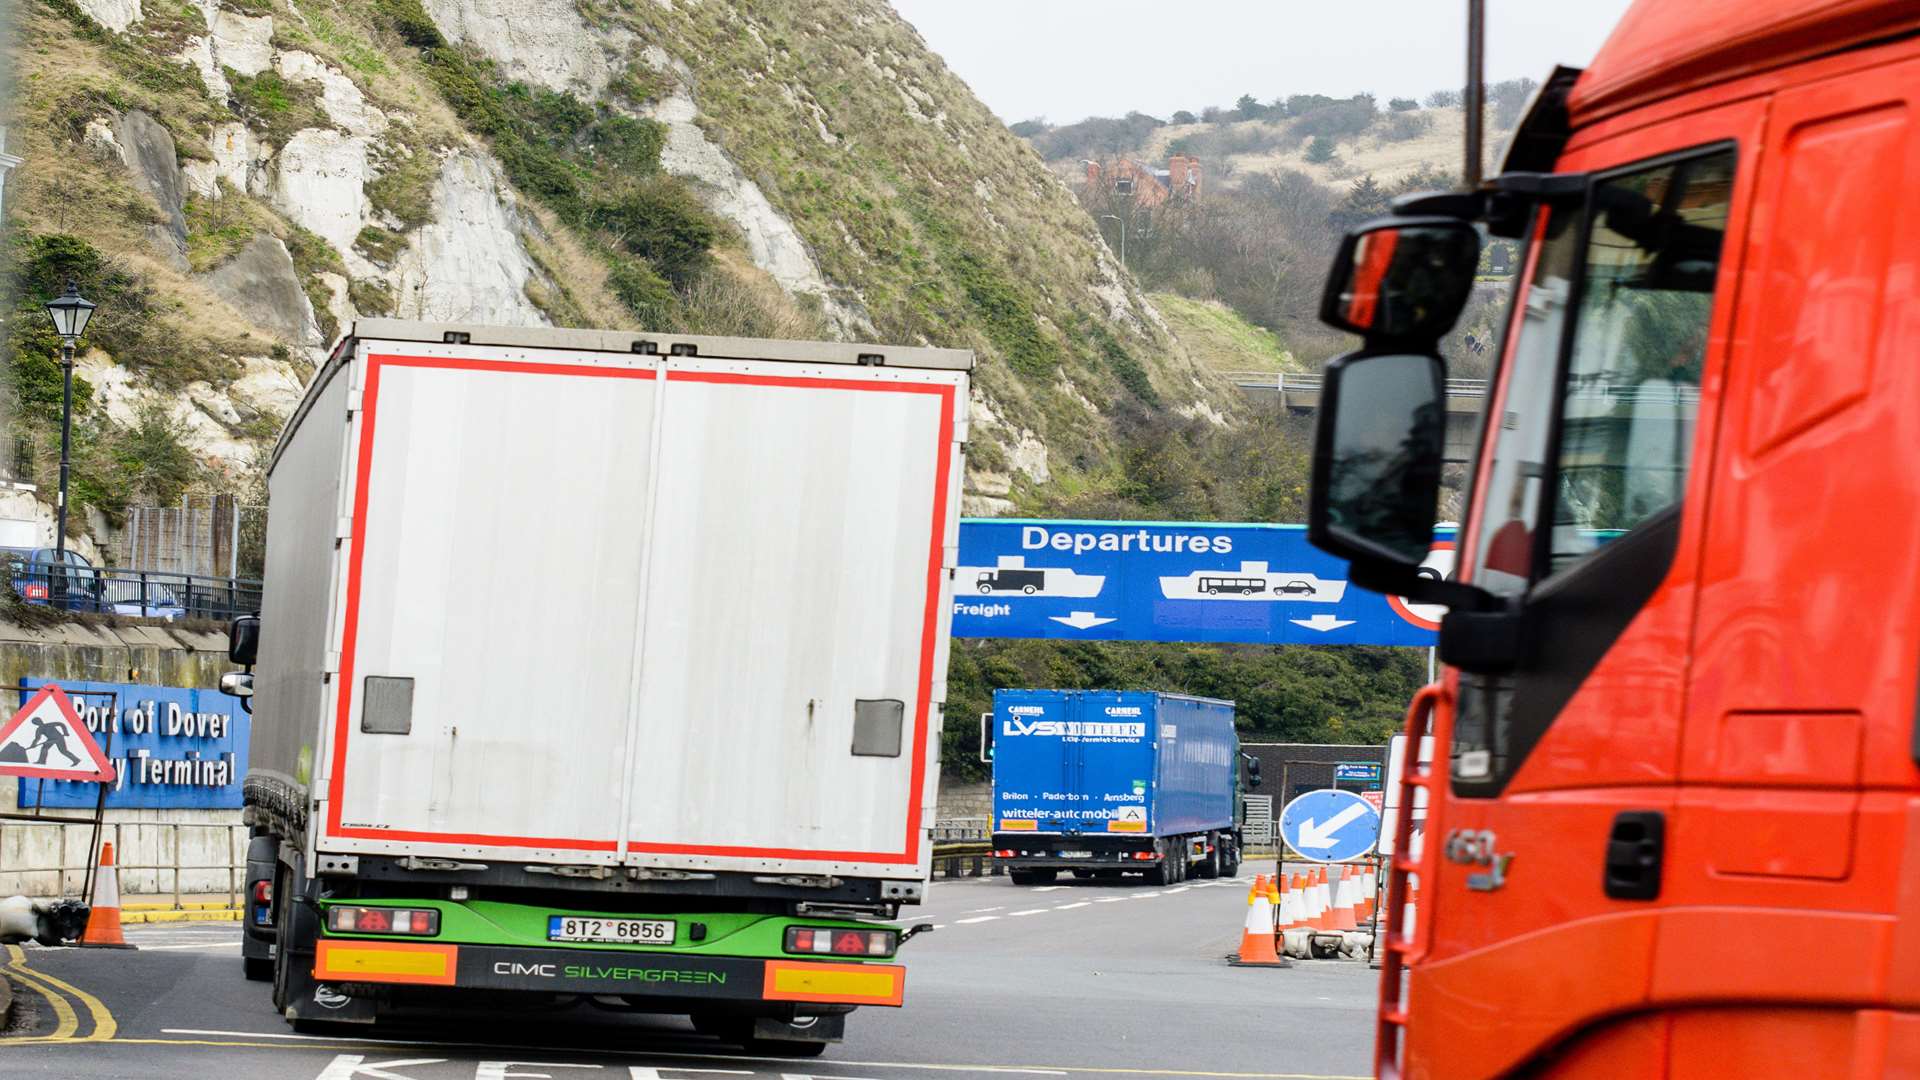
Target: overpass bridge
(1301, 394)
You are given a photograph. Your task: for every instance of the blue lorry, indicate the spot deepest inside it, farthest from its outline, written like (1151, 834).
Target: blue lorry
(1104, 782)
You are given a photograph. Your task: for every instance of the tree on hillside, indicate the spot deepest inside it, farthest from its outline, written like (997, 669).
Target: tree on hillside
(1302, 104)
(1402, 104)
(1249, 107)
(1320, 150)
(1212, 114)
(1185, 117)
(1443, 99)
(1027, 129)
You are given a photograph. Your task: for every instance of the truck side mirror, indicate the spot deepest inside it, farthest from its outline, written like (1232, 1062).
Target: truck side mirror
(1253, 771)
(243, 639)
(1402, 280)
(1376, 458)
(986, 737)
(237, 683)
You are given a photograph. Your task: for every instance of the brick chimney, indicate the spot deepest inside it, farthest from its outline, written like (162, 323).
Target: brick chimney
(1183, 175)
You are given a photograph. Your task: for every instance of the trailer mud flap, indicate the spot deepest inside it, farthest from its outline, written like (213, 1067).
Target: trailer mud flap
(486, 967)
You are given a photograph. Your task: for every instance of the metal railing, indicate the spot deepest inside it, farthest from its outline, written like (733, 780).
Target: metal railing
(1311, 383)
(149, 593)
(151, 860)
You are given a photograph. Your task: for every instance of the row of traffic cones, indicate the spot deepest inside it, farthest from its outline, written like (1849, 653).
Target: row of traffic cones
(1312, 902)
(1309, 902)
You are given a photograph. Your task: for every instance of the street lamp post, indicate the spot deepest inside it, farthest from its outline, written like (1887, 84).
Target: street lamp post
(69, 312)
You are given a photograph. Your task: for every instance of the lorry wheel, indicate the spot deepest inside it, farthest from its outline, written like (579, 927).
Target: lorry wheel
(258, 968)
(1209, 867)
(1229, 860)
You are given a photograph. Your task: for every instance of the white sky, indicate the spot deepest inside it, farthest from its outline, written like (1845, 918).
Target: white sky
(1069, 59)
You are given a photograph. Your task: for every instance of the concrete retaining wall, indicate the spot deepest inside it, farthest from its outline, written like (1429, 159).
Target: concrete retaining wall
(50, 860)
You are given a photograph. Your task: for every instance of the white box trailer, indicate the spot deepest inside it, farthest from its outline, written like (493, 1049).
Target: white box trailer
(602, 622)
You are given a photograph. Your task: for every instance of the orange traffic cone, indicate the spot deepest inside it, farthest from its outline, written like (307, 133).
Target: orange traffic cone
(103, 922)
(1259, 886)
(1341, 917)
(1256, 940)
(1323, 899)
(1359, 897)
(1287, 915)
(1369, 886)
(1303, 884)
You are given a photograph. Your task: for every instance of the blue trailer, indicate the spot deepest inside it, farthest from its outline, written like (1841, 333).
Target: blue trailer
(1105, 782)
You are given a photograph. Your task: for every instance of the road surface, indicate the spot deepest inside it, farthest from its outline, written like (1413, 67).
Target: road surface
(1082, 981)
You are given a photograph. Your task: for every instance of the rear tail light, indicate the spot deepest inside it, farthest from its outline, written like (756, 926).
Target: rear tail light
(1006, 854)
(412, 922)
(263, 892)
(834, 941)
(1146, 856)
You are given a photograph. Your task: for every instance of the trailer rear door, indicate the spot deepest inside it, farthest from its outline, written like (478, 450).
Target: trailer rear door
(794, 651)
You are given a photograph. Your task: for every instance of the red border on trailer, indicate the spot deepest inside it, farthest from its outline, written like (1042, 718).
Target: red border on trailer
(929, 624)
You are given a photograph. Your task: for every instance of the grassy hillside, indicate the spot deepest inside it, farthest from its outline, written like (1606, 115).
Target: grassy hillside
(1220, 338)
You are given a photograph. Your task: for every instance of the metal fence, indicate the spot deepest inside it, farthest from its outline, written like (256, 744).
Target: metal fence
(206, 536)
(148, 593)
(155, 860)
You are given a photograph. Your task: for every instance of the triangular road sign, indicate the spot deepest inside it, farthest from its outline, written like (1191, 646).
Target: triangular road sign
(47, 738)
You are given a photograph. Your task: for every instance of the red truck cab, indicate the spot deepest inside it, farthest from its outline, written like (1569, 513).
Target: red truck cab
(1674, 818)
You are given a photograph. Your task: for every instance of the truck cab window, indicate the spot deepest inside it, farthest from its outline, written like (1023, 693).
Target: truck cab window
(1632, 389)
(1595, 428)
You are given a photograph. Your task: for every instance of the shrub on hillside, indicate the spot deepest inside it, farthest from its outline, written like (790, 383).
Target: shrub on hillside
(1096, 137)
(1443, 99)
(1320, 150)
(1402, 104)
(1342, 118)
(1402, 126)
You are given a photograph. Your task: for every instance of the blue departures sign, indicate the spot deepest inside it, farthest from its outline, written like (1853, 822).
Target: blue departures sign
(172, 748)
(1330, 825)
(1163, 581)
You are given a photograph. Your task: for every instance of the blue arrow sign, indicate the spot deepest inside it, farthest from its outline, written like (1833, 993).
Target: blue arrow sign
(1330, 825)
(1169, 581)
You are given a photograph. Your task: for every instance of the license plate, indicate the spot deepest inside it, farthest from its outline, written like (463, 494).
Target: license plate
(614, 931)
(1076, 854)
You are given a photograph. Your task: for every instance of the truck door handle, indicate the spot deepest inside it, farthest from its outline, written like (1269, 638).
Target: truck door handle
(1635, 851)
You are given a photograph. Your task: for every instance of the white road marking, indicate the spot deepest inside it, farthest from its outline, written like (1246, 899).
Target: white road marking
(208, 945)
(975, 919)
(1143, 896)
(1111, 899)
(1182, 888)
(1070, 907)
(976, 911)
(1029, 911)
(1047, 888)
(928, 1066)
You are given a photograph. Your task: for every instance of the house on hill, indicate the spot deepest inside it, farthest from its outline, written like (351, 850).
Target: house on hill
(1150, 187)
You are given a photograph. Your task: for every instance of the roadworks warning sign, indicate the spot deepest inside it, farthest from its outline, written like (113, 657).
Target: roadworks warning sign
(47, 739)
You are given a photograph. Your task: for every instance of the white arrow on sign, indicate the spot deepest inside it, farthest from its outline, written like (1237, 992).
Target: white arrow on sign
(1322, 623)
(1315, 835)
(1081, 620)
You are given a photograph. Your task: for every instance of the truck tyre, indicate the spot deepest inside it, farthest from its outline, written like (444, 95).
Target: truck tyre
(1229, 858)
(258, 968)
(1031, 877)
(1209, 867)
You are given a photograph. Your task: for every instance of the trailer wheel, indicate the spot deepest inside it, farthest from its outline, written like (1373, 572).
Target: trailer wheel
(1209, 867)
(1229, 858)
(258, 968)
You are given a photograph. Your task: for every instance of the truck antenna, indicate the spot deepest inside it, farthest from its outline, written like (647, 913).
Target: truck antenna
(1474, 101)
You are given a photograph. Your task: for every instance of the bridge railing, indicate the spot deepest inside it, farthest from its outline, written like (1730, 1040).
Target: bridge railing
(1312, 382)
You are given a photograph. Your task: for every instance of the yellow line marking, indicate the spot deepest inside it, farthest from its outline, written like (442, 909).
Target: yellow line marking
(66, 1021)
(104, 1025)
